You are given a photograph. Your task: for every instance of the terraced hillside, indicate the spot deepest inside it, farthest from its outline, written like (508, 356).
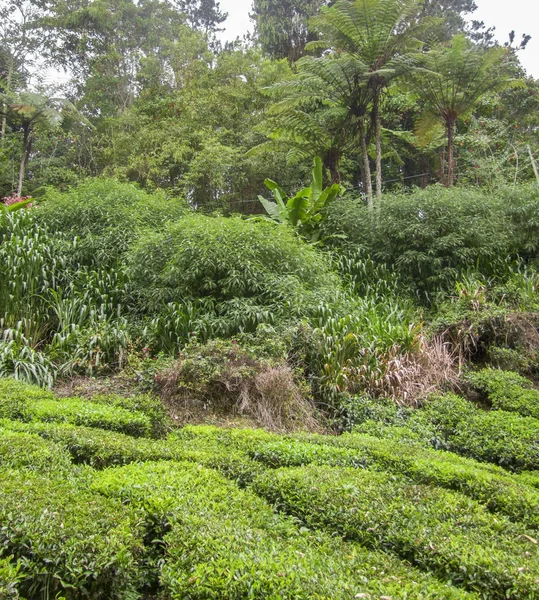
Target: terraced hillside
(101, 499)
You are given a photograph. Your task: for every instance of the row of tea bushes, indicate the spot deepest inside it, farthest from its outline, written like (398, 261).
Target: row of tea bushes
(68, 541)
(441, 531)
(453, 423)
(139, 416)
(223, 542)
(506, 390)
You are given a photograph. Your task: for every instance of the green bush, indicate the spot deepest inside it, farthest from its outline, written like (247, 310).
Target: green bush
(508, 391)
(10, 576)
(499, 436)
(530, 478)
(99, 448)
(79, 411)
(429, 237)
(489, 485)
(441, 531)
(242, 273)
(221, 542)
(104, 215)
(147, 404)
(70, 542)
(19, 450)
(17, 398)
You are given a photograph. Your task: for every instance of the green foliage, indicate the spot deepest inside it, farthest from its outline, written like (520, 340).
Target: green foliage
(430, 237)
(306, 209)
(70, 542)
(84, 412)
(10, 576)
(500, 437)
(19, 450)
(242, 273)
(507, 391)
(145, 404)
(104, 215)
(220, 541)
(452, 536)
(30, 403)
(492, 486)
(98, 448)
(17, 398)
(351, 349)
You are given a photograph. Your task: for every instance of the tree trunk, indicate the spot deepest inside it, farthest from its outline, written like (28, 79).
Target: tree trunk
(367, 182)
(26, 146)
(378, 135)
(450, 152)
(4, 105)
(332, 161)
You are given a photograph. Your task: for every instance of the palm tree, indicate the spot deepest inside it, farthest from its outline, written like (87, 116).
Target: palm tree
(27, 111)
(382, 38)
(453, 78)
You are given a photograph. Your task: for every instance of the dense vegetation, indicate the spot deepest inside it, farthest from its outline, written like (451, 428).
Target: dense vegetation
(326, 234)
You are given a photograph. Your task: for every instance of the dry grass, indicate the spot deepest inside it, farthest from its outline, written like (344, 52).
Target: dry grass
(409, 377)
(259, 394)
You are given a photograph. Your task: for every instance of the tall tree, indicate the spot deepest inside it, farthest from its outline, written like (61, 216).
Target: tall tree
(203, 15)
(26, 112)
(453, 78)
(322, 111)
(19, 41)
(282, 26)
(381, 36)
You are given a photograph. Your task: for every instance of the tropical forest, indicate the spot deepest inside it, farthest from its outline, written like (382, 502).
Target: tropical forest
(269, 305)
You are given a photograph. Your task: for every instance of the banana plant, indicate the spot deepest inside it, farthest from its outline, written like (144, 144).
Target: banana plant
(305, 210)
(5, 208)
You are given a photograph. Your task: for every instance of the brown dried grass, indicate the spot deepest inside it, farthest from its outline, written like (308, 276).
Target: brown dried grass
(267, 397)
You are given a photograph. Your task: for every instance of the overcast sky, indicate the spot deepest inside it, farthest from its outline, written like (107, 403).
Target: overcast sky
(505, 15)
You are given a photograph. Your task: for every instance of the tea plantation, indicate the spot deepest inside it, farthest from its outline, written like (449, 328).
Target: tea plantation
(100, 499)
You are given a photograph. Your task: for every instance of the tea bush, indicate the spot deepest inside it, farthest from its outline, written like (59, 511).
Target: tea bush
(70, 542)
(508, 391)
(441, 531)
(20, 450)
(499, 437)
(222, 542)
(84, 412)
(492, 486)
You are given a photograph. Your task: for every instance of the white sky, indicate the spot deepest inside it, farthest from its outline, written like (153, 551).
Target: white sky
(505, 15)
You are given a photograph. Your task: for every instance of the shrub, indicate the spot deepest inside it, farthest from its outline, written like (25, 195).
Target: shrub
(10, 576)
(145, 404)
(222, 377)
(97, 447)
(70, 542)
(489, 485)
(509, 359)
(508, 391)
(104, 216)
(19, 450)
(218, 261)
(530, 478)
(17, 398)
(430, 237)
(499, 437)
(221, 542)
(83, 412)
(438, 530)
